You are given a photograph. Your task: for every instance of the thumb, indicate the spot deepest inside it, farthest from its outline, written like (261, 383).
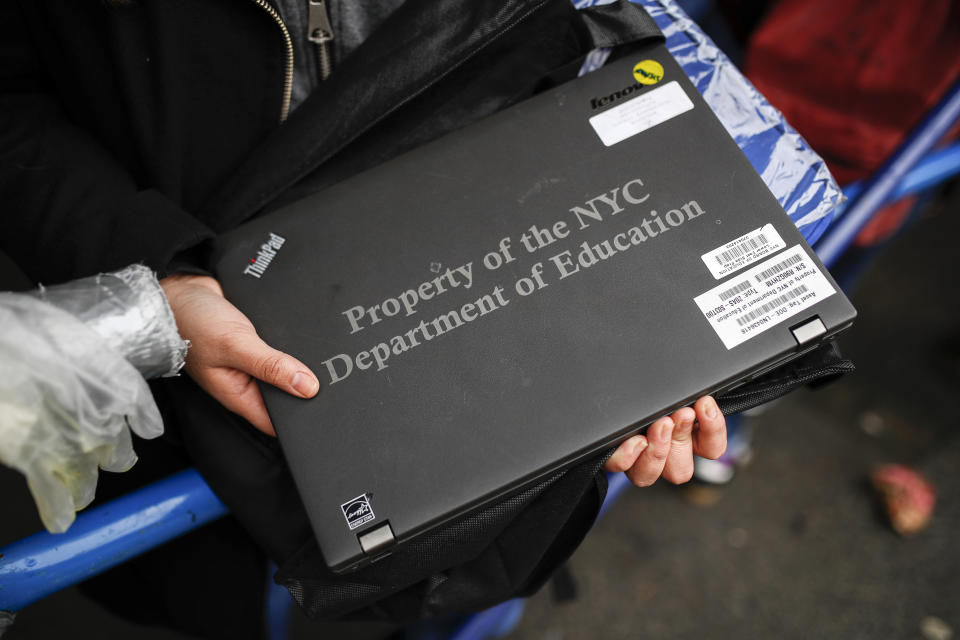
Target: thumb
(252, 355)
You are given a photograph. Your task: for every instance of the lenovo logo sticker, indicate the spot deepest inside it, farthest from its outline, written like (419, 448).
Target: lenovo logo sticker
(265, 256)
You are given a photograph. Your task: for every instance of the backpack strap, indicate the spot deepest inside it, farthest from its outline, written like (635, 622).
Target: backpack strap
(620, 23)
(820, 366)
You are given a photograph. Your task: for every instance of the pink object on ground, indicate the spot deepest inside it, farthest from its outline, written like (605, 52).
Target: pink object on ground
(909, 498)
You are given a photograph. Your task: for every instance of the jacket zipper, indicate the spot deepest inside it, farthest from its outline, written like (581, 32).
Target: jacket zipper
(490, 36)
(320, 33)
(288, 70)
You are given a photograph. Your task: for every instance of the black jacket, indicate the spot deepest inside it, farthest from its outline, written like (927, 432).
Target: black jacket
(131, 130)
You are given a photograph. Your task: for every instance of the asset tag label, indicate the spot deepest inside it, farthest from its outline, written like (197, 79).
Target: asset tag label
(763, 297)
(743, 251)
(641, 113)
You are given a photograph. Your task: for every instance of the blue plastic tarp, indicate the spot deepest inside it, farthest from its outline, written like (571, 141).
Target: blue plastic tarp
(796, 175)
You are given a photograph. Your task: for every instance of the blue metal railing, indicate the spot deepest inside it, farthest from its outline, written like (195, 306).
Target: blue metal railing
(892, 176)
(105, 536)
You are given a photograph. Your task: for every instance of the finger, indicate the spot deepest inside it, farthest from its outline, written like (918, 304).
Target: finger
(251, 407)
(79, 474)
(679, 465)
(118, 456)
(53, 498)
(250, 354)
(626, 454)
(239, 393)
(144, 417)
(710, 434)
(649, 464)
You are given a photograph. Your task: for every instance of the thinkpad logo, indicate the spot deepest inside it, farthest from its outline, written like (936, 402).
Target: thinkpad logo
(357, 511)
(266, 254)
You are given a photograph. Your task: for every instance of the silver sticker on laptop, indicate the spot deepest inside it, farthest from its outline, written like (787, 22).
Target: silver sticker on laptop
(763, 297)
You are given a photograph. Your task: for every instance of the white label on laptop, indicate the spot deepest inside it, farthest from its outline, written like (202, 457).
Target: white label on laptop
(743, 251)
(641, 113)
(764, 296)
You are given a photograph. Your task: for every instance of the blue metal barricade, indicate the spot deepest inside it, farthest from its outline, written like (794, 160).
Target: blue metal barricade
(104, 537)
(902, 172)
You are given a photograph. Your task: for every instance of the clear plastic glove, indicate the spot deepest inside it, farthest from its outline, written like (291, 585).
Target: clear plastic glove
(68, 397)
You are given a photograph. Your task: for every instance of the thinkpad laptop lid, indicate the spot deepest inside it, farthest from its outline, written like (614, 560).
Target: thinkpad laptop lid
(519, 295)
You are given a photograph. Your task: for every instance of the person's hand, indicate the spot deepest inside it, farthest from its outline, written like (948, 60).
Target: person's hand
(68, 402)
(226, 354)
(670, 443)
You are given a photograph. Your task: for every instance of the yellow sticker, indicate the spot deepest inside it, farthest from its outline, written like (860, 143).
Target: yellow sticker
(648, 72)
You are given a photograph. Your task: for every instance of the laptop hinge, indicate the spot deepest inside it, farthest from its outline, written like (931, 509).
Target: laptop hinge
(808, 330)
(377, 539)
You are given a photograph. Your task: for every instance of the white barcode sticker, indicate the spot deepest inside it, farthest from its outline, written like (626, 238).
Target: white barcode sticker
(743, 251)
(763, 297)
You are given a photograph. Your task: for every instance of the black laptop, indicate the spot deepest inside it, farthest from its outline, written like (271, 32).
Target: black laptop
(518, 295)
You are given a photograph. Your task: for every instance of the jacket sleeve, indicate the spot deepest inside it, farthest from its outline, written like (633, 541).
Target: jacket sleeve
(68, 208)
